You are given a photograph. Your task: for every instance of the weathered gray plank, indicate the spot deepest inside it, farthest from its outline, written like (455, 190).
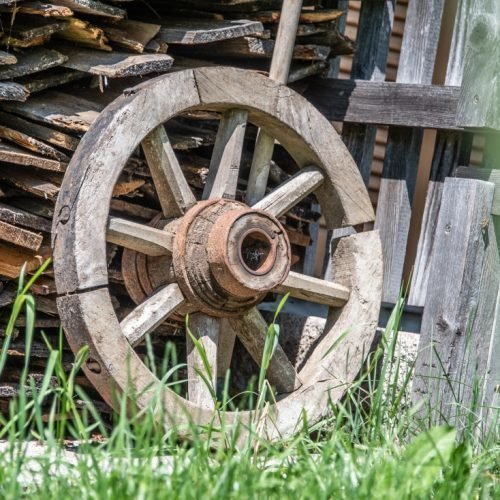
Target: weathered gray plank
(455, 369)
(369, 63)
(11, 91)
(480, 97)
(484, 174)
(196, 31)
(93, 7)
(32, 61)
(116, 64)
(416, 65)
(386, 103)
(445, 160)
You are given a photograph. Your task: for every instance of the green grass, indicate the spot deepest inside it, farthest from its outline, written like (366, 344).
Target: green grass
(375, 450)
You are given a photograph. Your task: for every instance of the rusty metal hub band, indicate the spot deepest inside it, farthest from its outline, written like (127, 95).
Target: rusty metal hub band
(227, 256)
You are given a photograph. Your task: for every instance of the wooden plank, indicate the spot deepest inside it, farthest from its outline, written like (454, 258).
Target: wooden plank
(41, 132)
(46, 80)
(13, 258)
(455, 367)
(32, 144)
(480, 96)
(131, 35)
(16, 216)
(11, 91)
(94, 8)
(444, 162)
(7, 58)
(29, 182)
(484, 174)
(200, 31)
(20, 237)
(386, 103)
(416, 65)
(39, 9)
(32, 61)
(84, 34)
(253, 48)
(72, 113)
(18, 156)
(376, 19)
(116, 64)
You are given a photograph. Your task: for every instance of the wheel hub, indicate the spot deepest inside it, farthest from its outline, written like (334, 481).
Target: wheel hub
(227, 256)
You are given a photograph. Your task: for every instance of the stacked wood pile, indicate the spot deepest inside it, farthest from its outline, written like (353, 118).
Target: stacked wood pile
(62, 62)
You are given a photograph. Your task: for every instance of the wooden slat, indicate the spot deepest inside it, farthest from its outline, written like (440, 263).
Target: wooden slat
(32, 61)
(488, 175)
(445, 160)
(16, 216)
(455, 369)
(386, 103)
(12, 91)
(397, 187)
(200, 31)
(94, 8)
(479, 104)
(19, 156)
(20, 237)
(369, 63)
(116, 64)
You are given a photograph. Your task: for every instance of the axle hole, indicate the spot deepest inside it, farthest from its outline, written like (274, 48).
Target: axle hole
(256, 251)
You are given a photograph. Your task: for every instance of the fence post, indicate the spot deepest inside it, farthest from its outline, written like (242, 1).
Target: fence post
(456, 369)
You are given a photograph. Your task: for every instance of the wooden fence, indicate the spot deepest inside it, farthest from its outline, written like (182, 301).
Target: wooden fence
(456, 274)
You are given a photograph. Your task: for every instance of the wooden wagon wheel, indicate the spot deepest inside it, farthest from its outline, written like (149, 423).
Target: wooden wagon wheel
(205, 245)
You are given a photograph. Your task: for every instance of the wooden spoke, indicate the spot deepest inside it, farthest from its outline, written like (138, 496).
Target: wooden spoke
(291, 192)
(314, 289)
(259, 171)
(173, 190)
(151, 313)
(226, 157)
(252, 330)
(138, 237)
(226, 346)
(205, 330)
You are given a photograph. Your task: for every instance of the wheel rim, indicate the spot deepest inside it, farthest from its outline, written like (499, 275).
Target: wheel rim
(233, 288)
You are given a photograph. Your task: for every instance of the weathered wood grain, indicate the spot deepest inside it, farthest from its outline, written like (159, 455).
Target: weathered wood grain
(202, 380)
(480, 96)
(201, 31)
(369, 62)
(386, 103)
(20, 237)
(455, 367)
(416, 65)
(251, 329)
(32, 61)
(116, 64)
(484, 174)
